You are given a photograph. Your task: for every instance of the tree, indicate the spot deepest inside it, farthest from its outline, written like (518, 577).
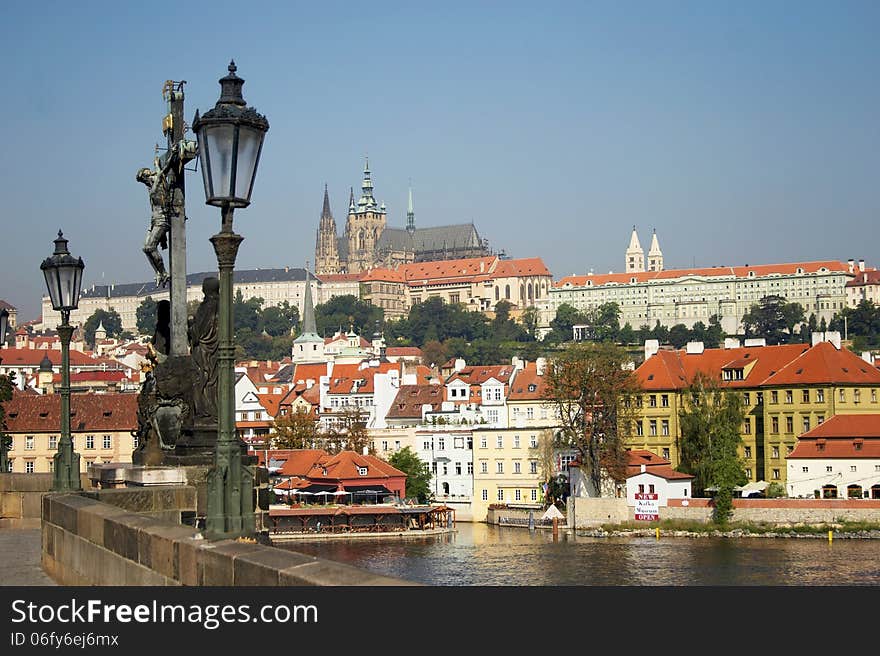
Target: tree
(529, 320)
(7, 385)
(433, 354)
(354, 435)
(714, 333)
(295, 430)
(679, 335)
(710, 421)
(566, 317)
(502, 327)
(280, 320)
(418, 475)
(591, 386)
(604, 321)
(344, 312)
(545, 452)
(773, 319)
(111, 321)
(146, 316)
(626, 335)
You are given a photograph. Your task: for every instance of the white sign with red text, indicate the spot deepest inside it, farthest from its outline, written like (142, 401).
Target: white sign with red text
(647, 507)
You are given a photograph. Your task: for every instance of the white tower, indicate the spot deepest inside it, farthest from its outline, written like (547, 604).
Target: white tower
(635, 255)
(655, 255)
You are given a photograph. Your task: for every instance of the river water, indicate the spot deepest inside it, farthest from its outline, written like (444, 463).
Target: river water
(486, 555)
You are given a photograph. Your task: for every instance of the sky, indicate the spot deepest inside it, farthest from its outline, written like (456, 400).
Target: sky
(743, 132)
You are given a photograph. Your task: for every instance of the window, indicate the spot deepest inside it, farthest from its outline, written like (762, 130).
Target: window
(774, 397)
(775, 474)
(759, 396)
(499, 467)
(650, 488)
(820, 419)
(806, 470)
(533, 466)
(828, 469)
(458, 469)
(28, 466)
(747, 427)
(517, 495)
(441, 444)
(500, 495)
(483, 442)
(747, 451)
(746, 398)
(29, 442)
(108, 442)
(434, 468)
(530, 413)
(652, 400)
(843, 396)
(789, 424)
(484, 467)
(873, 396)
(664, 427)
(492, 415)
(533, 441)
(134, 441)
(427, 445)
(485, 495)
(852, 468)
(774, 424)
(90, 441)
(458, 442)
(499, 442)
(516, 466)
(534, 494)
(639, 428)
(516, 441)
(748, 473)
(652, 427)
(666, 454)
(806, 396)
(806, 424)
(53, 442)
(789, 396)
(775, 452)
(641, 488)
(820, 396)
(857, 395)
(664, 400)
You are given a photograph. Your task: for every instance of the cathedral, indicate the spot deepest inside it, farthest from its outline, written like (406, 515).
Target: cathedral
(368, 243)
(635, 255)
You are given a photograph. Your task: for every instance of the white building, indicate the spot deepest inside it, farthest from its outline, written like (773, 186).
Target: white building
(839, 458)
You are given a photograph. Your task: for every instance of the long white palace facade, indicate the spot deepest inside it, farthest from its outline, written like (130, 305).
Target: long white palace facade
(687, 296)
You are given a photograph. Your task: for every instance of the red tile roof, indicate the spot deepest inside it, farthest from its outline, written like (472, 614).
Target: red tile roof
(528, 386)
(479, 374)
(654, 464)
(475, 269)
(14, 357)
(89, 412)
(404, 351)
(824, 363)
(410, 398)
(340, 277)
(383, 275)
(344, 465)
(842, 436)
(871, 277)
(271, 402)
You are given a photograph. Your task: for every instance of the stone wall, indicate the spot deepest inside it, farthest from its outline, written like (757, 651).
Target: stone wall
(125, 541)
(21, 498)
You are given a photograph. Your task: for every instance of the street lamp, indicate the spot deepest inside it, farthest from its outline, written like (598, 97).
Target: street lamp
(63, 274)
(4, 458)
(230, 139)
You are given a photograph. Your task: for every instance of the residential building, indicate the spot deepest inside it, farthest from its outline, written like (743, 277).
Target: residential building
(787, 390)
(101, 425)
(840, 458)
(865, 286)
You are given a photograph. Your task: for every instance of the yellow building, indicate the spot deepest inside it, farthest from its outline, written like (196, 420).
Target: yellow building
(787, 390)
(101, 426)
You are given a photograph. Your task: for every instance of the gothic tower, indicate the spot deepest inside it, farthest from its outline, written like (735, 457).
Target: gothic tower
(365, 224)
(326, 246)
(635, 255)
(655, 255)
(410, 215)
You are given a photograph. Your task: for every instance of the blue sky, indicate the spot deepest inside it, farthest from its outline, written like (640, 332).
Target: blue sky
(745, 132)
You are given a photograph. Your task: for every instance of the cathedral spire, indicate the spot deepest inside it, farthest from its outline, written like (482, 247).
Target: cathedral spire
(410, 215)
(635, 255)
(308, 323)
(325, 212)
(655, 255)
(367, 201)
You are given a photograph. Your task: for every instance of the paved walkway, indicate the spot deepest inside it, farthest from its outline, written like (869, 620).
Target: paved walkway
(20, 559)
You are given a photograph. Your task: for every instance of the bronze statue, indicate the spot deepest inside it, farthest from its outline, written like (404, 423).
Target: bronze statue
(203, 341)
(157, 234)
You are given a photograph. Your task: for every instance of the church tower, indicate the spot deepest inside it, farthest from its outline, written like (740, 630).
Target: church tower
(410, 215)
(309, 346)
(326, 246)
(655, 255)
(365, 225)
(635, 255)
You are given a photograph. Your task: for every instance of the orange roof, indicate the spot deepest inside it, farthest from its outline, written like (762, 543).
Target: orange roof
(305, 372)
(404, 351)
(88, 412)
(842, 436)
(14, 357)
(340, 277)
(825, 364)
(871, 277)
(759, 270)
(383, 275)
(479, 374)
(473, 269)
(528, 386)
(271, 402)
(410, 398)
(653, 463)
(298, 462)
(345, 464)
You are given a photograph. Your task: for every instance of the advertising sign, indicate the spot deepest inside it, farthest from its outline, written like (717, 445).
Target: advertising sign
(647, 507)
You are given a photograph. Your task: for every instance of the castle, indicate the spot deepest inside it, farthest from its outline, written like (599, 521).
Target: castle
(369, 243)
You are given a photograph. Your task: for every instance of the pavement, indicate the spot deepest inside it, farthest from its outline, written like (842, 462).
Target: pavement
(20, 563)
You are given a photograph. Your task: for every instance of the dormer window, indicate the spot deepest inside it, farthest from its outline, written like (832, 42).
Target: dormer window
(362, 471)
(533, 387)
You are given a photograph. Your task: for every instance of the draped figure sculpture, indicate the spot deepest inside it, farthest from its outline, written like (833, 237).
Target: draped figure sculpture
(203, 340)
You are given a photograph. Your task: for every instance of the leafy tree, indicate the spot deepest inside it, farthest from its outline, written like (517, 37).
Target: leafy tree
(347, 311)
(111, 321)
(146, 316)
(295, 430)
(246, 313)
(354, 435)
(433, 353)
(529, 320)
(714, 334)
(566, 317)
(711, 421)
(590, 384)
(604, 321)
(626, 335)
(860, 323)
(773, 319)
(679, 335)
(660, 333)
(502, 327)
(7, 385)
(280, 319)
(418, 475)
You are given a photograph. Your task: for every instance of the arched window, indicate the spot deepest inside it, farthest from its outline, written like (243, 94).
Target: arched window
(507, 292)
(529, 288)
(522, 293)
(829, 491)
(875, 491)
(446, 488)
(497, 293)
(854, 491)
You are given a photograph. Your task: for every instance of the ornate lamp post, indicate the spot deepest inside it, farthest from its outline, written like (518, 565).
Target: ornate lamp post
(230, 138)
(4, 325)
(63, 274)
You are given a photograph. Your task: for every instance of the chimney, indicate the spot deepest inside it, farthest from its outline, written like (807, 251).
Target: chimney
(459, 364)
(310, 383)
(540, 366)
(482, 267)
(755, 341)
(644, 468)
(833, 336)
(852, 265)
(861, 265)
(651, 347)
(731, 343)
(867, 357)
(694, 348)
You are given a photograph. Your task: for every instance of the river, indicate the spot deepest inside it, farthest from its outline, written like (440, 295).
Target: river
(486, 555)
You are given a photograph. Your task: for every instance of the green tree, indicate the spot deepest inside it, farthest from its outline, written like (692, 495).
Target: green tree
(111, 321)
(679, 335)
(433, 353)
(246, 313)
(344, 312)
(590, 385)
(710, 421)
(502, 327)
(773, 319)
(418, 475)
(626, 335)
(604, 321)
(860, 323)
(295, 430)
(146, 316)
(280, 319)
(529, 320)
(566, 317)
(714, 333)
(7, 385)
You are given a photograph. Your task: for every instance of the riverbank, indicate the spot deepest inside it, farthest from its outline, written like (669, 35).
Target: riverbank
(678, 529)
(405, 534)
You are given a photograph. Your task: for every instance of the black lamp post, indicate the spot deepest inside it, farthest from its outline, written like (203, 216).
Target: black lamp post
(230, 139)
(63, 274)
(4, 325)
